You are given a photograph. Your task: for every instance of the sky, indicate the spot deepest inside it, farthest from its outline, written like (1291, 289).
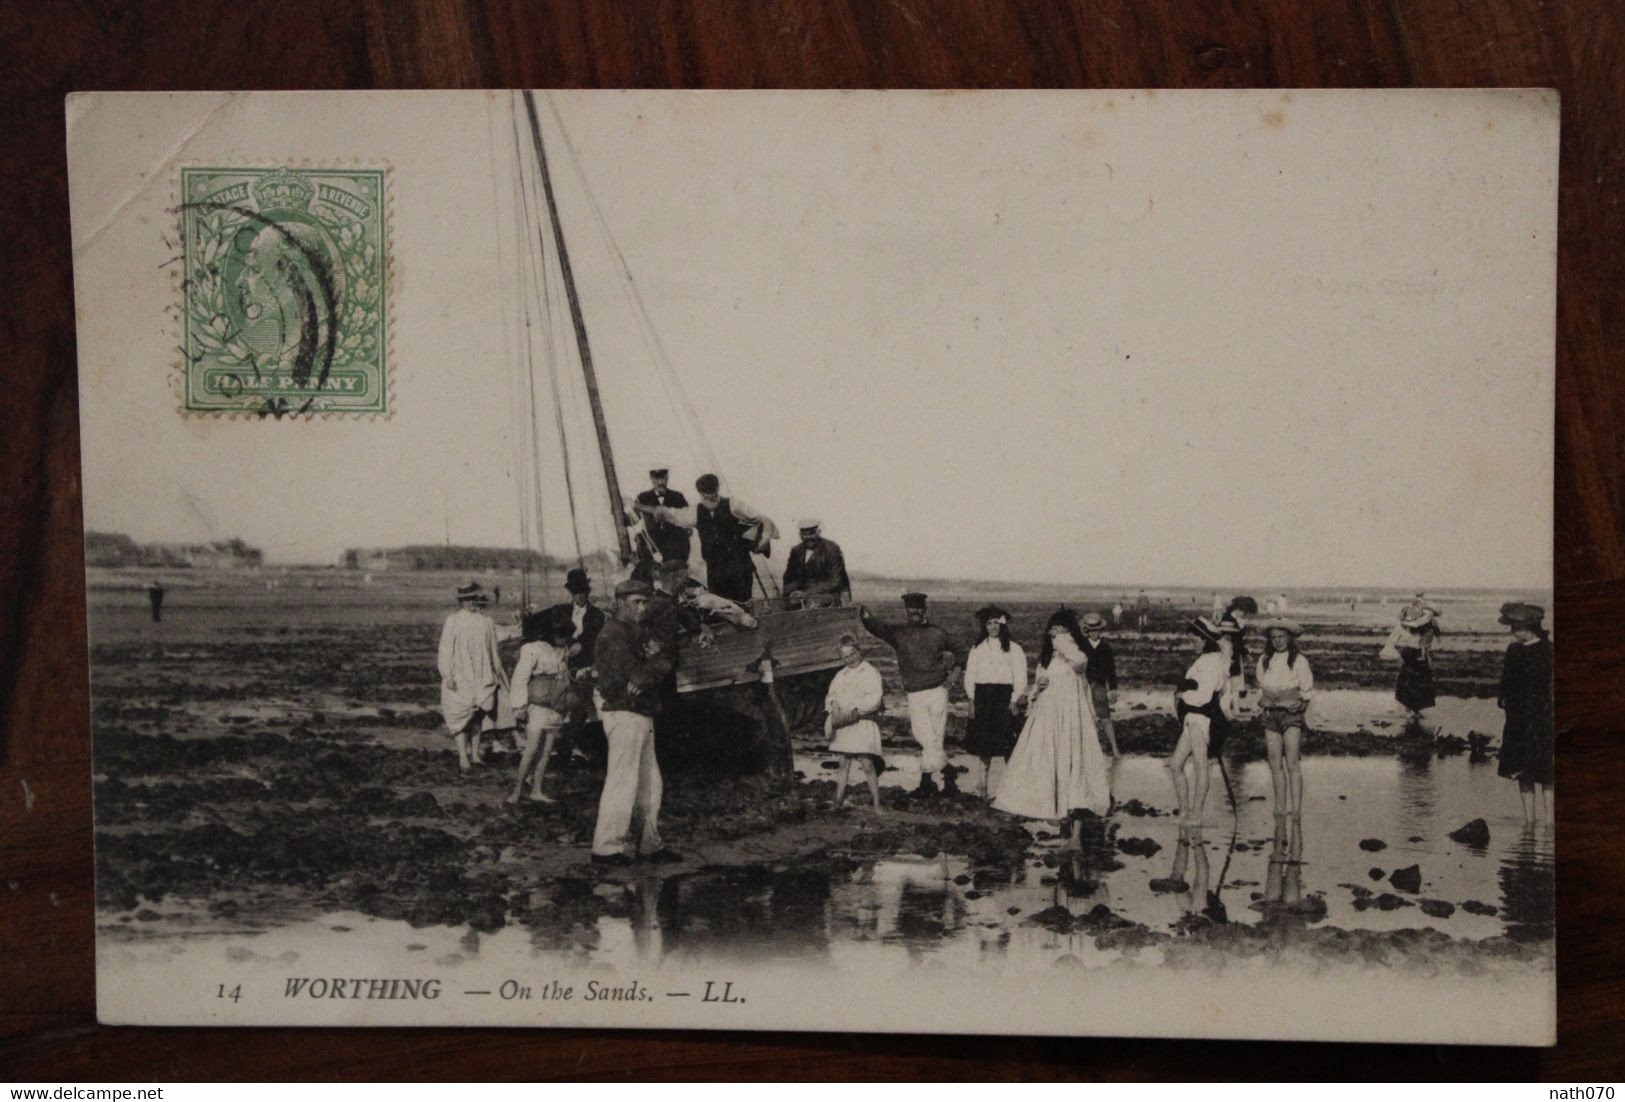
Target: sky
(1174, 338)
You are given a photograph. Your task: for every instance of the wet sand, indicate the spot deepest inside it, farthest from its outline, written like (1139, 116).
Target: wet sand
(269, 761)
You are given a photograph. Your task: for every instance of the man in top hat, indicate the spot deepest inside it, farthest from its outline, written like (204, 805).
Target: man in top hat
(1100, 673)
(730, 531)
(816, 575)
(630, 666)
(586, 617)
(473, 686)
(670, 540)
(926, 658)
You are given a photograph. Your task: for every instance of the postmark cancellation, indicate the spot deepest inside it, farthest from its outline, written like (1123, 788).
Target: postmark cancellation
(285, 291)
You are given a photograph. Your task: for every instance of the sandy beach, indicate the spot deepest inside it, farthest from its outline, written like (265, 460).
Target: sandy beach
(270, 766)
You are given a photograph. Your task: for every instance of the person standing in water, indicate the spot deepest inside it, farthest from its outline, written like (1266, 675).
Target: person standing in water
(1526, 697)
(1412, 641)
(1101, 674)
(1286, 685)
(1198, 704)
(1058, 770)
(155, 598)
(995, 684)
(854, 699)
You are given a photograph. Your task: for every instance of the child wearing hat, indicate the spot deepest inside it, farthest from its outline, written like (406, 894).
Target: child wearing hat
(1526, 697)
(1197, 704)
(1286, 685)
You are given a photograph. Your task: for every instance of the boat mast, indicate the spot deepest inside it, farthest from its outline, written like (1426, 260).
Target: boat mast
(616, 504)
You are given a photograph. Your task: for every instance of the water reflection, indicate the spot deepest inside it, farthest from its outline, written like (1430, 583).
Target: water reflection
(1281, 875)
(1528, 878)
(1418, 794)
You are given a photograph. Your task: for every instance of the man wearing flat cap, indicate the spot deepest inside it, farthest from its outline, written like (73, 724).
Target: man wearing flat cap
(816, 575)
(629, 667)
(926, 658)
(671, 540)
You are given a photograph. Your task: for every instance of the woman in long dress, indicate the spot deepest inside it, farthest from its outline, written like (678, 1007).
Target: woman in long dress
(1058, 769)
(855, 697)
(1526, 696)
(1413, 640)
(995, 684)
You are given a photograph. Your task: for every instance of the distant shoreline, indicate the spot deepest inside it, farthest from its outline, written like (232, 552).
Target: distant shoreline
(870, 583)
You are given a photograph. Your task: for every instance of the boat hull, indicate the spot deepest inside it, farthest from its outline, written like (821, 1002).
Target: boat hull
(799, 641)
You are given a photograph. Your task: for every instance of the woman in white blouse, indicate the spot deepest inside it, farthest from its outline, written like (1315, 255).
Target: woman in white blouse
(995, 683)
(855, 697)
(1286, 684)
(1199, 705)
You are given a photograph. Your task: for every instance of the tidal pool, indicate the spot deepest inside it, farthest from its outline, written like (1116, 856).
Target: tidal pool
(1247, 867)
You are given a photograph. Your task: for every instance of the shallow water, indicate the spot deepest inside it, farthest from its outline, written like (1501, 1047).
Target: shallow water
(908, 908)
(1346, 800)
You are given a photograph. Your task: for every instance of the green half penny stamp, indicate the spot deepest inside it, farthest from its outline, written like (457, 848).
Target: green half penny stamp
(284, 294)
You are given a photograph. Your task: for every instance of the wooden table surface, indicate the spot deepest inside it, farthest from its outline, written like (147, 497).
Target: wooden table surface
(47, 1023)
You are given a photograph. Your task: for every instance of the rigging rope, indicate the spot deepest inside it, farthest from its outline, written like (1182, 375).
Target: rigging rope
(677, 395)
(508, 344)
(531, 270)
(558, 325)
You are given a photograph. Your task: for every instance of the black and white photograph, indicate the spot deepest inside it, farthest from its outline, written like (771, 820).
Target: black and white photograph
(1072, 563)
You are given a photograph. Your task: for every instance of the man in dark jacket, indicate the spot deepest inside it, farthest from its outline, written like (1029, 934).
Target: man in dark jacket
(1100, 673)
(730, 531)
(629, 666)
(816, 575)
(671, 540)
(926, 657)
(587, 618)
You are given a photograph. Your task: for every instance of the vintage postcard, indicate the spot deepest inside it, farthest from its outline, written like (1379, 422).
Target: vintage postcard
(982, 562)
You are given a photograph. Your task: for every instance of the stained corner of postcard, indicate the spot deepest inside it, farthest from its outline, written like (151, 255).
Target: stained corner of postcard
(285, 291)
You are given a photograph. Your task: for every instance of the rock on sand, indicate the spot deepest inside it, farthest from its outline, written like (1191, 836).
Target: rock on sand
(1475, 833)
(1407, 879)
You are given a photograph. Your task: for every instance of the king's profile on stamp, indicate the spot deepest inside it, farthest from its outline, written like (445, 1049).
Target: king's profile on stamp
(284, 294)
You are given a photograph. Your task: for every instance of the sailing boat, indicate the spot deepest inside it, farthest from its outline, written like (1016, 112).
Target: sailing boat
(776, 673)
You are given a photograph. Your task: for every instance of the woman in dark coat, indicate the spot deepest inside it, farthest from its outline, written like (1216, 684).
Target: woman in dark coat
(1526, 697)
